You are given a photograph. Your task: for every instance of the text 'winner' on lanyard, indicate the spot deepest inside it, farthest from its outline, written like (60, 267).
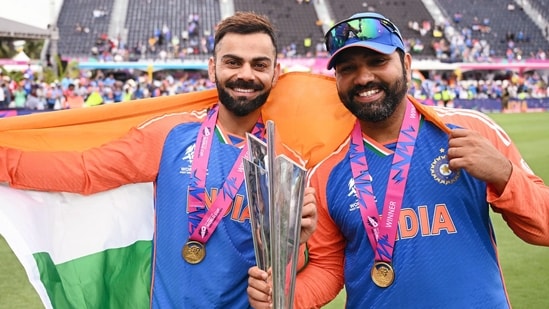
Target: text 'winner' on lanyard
(201, 223)
(382, 231)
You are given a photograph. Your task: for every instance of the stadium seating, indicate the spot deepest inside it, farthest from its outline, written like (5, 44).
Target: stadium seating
(74, 42)
(503, 22)
(146, 17)
(298, 20)
(294, 21)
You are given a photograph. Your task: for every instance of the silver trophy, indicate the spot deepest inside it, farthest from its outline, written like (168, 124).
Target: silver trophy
(275, 184)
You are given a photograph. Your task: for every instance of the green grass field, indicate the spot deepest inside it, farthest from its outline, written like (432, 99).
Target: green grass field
(525, 267)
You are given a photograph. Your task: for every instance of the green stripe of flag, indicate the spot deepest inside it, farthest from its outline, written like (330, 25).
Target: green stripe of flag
(114, 278)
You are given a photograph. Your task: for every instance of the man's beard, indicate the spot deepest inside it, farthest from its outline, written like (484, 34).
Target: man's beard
(380, 110)
(241, 106)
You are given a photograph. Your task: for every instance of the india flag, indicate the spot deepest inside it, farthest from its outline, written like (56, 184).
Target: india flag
(83, 252)
(94, 251)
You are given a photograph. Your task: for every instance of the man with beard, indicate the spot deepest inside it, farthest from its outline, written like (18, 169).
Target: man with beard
(202, 247)
(403, 204)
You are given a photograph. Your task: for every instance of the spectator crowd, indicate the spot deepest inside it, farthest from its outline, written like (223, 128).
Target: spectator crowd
(104, 88)
(32, 93)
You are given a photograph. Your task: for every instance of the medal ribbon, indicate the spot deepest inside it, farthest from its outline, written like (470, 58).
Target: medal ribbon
(382, 235)
(202, 223)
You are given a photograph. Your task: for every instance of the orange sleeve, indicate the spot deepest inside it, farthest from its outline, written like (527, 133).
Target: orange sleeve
(322, 279)
(132, 158)
(524, 204)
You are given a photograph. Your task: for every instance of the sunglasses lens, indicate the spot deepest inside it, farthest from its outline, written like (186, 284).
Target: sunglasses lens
(371, 29)
(360, 29)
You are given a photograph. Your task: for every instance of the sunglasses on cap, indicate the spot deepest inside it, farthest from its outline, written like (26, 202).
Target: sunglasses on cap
(363, 29)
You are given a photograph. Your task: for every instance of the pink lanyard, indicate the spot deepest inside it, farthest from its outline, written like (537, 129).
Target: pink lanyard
(202, 223)
(382, 235)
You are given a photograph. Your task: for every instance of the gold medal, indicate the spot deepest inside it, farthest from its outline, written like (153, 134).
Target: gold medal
(193, 252)
(383, 274)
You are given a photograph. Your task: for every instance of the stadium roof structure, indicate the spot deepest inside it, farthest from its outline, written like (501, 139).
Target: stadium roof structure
(13, 29)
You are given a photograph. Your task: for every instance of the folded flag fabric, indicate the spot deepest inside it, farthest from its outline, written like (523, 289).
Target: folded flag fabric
(95, 251)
